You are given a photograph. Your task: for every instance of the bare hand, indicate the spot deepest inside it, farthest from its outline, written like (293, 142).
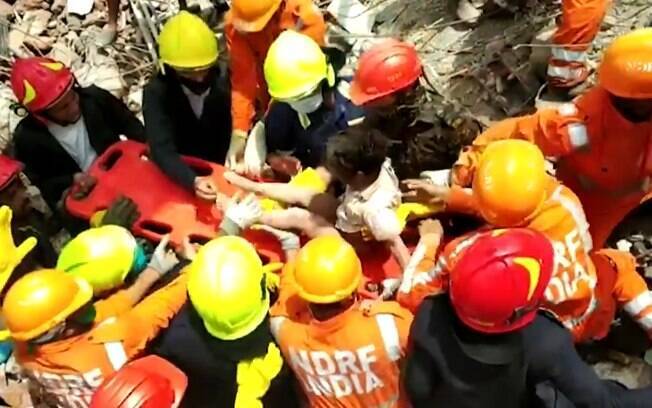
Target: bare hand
(82, 184)
(188, 250)
(421, 191)
(431, 230)
(205, 188)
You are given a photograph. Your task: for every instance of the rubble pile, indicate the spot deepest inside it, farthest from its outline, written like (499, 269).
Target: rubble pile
(495, 68)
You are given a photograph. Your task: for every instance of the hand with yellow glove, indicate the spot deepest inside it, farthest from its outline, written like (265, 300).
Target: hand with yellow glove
(255, 376)
(235, 154)
(10, 255)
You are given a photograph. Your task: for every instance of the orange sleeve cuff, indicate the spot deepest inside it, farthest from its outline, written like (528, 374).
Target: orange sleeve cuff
(114, 305)
(461, 200)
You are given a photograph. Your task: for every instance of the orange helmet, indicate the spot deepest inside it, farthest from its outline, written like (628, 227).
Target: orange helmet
(40, 300)
(626, 68)
(498, 283)
(327, 270)
(509, 184)
(251, 16)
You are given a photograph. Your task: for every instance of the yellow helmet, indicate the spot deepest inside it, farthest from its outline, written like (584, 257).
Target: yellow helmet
(102, 256)
(187, 42)
(327, 270)
(40, 300)
(510, 183)
(226, 286)
(295, 65)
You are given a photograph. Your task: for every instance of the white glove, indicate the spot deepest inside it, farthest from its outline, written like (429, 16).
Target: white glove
(390, 286)
(289, 240)
(440, 178)
(243, 212)
(255, 151)
(236, 149)
(163, 259)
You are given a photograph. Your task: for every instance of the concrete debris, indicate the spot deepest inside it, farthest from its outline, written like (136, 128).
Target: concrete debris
(80, 7)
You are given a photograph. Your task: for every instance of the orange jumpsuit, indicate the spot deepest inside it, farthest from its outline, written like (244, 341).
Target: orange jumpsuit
(574, 295)
(350, 360)
(605, 159)
(248, 52)
(67, 372)
(580, 23)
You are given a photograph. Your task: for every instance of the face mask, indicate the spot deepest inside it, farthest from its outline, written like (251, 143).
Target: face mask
(308, 104)
(199, 87)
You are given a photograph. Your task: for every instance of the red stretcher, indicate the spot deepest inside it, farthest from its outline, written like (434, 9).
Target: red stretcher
(165, 207)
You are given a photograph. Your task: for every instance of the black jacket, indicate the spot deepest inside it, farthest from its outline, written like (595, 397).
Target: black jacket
(174, 130)
(439, 374)
(48, 165)
(211, 363)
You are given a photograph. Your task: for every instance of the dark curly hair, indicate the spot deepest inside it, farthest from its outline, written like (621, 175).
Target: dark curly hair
(357, 149)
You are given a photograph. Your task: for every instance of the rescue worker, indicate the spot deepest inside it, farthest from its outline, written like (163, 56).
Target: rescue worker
(104, 257)
(486, 343)
(577, 294)
(609, 172)
(66, 344)
(27, 221)
(386, 84)
(568, 65)
(67, 127)
(341, 354)
(149, 382)
(186, 105)
(250, 28)
(308, 107)
(221, 337)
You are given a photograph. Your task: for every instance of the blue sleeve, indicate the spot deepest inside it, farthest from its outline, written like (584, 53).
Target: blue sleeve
(279, 132)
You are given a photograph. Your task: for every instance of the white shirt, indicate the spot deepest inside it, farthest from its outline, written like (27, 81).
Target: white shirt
(74, 140)
(374, 207)
(196, 101)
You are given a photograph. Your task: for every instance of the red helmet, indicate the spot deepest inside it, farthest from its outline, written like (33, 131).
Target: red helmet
(150, 382)
(497, 285)
(387, 67)
(9, 169)
(39, 82)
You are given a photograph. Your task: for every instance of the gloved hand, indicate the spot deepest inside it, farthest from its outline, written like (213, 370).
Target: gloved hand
(163, 259)
(244, 212)
(10, 255)
(236, 149)
(289, 240)
(390, 286)
(256, 151)
(123, 212)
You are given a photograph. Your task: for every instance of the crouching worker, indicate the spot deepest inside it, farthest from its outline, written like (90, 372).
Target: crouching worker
(308, 108)
(488, 335)
(342, 353)
(149, 382)
(577, 293)
(186, 106)
(221, 337)
(66, 128)
(67, 344)
(357, 158)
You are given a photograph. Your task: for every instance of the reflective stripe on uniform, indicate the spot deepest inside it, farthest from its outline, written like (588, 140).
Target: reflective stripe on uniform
(417, 256)
(645, 322)
(638, 304)
(568, 55)
(578, 135)
(567, 109)
(275, 324)
(578, 215)
(565, 72)
(116, 353)
(389, 334)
